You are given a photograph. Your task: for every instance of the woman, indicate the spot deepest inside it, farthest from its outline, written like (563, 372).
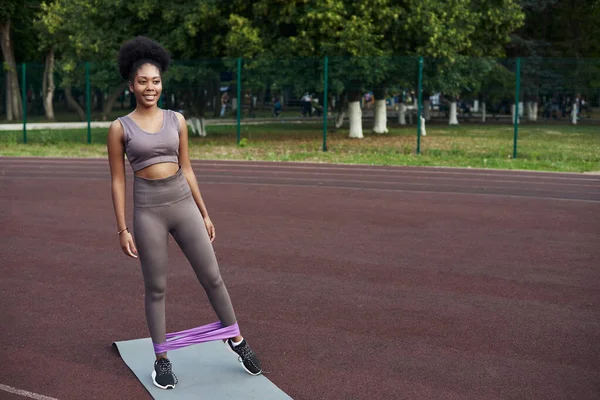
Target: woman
(166, 201)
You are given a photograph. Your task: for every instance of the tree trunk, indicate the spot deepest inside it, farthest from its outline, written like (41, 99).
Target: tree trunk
(48, 86)
(73, 103)
(110, 102)
(380, 118)
(340, 107)
(574, 114)
(9, 112)
(529, 108)
(99, 101)
(423, 131)
(521, 109)
(261, 99)
(535, 111)
(426, 110)
(339, 121)
(198, 126)
(196, 107)
(354, 111)
(13, 94)
(513, 109)
(355, 116)
(402, 114)
(475, 105)
(252, 101)
(483, 112)
(216, 97)
(453, 118)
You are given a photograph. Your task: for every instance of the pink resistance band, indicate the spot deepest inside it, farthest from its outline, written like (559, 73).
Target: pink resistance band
(201, 334)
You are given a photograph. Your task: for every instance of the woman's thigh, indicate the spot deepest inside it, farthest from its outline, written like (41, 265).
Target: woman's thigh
(188, 230)
(151, 239)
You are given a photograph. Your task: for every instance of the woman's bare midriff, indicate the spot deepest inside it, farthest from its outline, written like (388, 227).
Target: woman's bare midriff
(158, 171)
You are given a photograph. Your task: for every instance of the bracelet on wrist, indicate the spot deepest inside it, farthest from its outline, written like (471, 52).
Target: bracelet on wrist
(123, 230)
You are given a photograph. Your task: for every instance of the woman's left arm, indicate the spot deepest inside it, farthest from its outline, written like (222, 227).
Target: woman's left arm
(188, 172)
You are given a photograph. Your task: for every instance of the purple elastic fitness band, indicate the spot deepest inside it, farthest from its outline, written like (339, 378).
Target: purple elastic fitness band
(201, 334)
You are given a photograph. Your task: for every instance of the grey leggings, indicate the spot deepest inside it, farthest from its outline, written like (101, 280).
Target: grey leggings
(164, 206)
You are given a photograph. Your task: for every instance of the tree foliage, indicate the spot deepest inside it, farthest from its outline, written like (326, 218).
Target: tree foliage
(283, 42)
(553, 28)
(446, 29)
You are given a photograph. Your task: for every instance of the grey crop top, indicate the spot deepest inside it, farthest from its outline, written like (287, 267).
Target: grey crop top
(144, 149)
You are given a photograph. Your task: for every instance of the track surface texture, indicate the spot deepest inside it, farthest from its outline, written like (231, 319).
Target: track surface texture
(350, 282)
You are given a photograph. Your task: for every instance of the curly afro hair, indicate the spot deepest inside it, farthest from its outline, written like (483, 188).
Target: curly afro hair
(139, 51)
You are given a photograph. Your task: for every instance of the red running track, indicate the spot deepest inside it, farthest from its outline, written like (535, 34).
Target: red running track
(351, 282)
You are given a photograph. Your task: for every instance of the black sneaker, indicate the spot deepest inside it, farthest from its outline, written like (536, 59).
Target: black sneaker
(163, 376)
(246, 356)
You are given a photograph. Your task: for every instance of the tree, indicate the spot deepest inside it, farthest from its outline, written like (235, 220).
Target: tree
(359, 38)
(73, 30)
(554, 29)
(340, 29)
(450, 30)
(93, 31)
(16, 16)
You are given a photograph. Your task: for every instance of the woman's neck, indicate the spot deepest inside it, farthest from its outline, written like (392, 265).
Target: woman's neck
(147, 111)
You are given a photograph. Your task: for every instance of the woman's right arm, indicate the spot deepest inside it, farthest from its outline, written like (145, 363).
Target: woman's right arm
(116, 161)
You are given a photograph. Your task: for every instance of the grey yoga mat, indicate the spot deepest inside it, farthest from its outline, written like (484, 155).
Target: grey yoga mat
(205, 371)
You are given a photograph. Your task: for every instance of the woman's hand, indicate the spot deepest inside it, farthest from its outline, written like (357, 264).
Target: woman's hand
(127, 244)
(210, 228)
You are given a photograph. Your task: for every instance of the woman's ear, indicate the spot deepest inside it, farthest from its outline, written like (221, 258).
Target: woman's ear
(130, 84)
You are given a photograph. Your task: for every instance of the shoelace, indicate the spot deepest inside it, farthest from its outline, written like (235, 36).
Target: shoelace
(164, 366)
(246, 353)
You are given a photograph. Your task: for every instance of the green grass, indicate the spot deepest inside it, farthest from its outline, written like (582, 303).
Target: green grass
(72, 116)
(540, 147)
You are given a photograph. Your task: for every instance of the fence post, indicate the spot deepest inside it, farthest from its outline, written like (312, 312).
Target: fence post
(325, 95)
(88, 102)
(24, 99)
(239, 98)
(516, 121)
(419, 104)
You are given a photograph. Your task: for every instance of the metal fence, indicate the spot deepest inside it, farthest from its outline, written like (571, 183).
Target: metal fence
(385, 91)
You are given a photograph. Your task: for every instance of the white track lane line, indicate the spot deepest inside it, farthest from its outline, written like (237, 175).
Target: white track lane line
(522, 179)
(405, 191)
(277, 166)
(322, 182)
(25, 393)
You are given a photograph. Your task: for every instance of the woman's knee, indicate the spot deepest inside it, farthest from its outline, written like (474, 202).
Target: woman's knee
(155, 291)
(213, 282)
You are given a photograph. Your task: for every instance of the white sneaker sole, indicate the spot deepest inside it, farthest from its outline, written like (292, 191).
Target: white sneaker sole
(160, 386)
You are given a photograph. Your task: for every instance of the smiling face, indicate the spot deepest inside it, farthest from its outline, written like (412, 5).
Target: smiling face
(147, 85)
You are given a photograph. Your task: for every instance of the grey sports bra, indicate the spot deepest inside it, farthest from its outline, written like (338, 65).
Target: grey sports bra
(144, 149)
